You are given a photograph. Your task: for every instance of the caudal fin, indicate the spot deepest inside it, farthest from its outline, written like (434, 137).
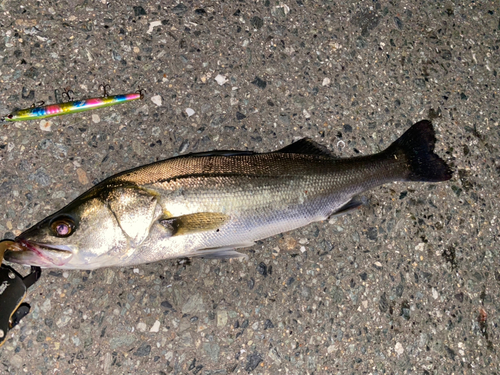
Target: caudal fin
(416, 147)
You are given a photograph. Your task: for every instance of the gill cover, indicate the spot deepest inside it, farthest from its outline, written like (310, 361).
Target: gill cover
(134, 210)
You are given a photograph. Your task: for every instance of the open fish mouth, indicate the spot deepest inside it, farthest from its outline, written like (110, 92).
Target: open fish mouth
(37, 254)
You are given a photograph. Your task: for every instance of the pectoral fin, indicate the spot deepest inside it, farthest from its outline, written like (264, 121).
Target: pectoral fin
(194, 223)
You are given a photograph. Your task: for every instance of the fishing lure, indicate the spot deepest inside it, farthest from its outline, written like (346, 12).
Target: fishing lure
(74, 106)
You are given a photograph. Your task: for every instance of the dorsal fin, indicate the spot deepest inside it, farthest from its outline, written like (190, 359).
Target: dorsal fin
(305, 146)
(221, 153)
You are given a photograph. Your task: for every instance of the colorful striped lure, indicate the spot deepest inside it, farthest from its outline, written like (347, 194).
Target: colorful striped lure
(36, 113)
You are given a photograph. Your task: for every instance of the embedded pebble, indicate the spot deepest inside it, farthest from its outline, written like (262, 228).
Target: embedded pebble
(63, 321)
(109, 275)
(46, 125)
(193, 305)
(82, 176)
(221, 318)
(435, 293)
(46, 306)
(155, 327)
(152, 25)
(399, 348)
(189, 112)
(108, 358)
(123, 340)
(253, 360)
(212, 350)
(156, 100)
(141, 326)
(143, 350)
(420, 246)
(16, 360)
(220, 79)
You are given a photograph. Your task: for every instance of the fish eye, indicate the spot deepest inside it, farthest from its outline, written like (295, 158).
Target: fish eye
(62, 226)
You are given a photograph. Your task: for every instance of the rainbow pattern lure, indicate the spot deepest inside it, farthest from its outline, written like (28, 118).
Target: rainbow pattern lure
(44, 111)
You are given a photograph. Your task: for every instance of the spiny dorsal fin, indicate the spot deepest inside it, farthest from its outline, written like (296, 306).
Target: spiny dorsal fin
(221, 153)
(305, 146)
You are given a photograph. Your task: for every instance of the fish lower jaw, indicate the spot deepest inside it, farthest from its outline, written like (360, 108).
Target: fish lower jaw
(35, 254)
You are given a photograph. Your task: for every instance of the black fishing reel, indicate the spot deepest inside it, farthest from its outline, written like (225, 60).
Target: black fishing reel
(13, 289)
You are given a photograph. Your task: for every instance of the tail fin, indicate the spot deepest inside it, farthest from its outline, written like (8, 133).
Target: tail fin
(416, 147)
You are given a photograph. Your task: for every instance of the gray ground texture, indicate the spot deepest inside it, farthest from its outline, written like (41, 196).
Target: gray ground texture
(409, 284)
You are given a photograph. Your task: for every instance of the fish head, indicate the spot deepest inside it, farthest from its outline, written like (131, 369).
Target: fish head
(83, 235)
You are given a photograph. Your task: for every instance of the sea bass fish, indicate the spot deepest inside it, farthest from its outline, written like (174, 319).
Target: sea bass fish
(208, 204)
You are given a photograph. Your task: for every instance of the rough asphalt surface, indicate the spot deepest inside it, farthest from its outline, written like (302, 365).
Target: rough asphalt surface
(409, 284)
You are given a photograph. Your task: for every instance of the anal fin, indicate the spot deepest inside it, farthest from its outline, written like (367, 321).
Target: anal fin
(223, 254)
(226, 252)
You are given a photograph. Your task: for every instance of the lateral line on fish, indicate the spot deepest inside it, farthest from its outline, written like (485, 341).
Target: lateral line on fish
(207, 175)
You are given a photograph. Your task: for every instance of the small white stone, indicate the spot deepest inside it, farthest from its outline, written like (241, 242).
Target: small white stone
(307, 115)
(399, 348)
(155, 327)
(141, 326)
(65, 274)
(136, 270)
(153, 25)
(326, 81)
(435, 294)
(420, 246)
(156, 100)
(286, 8)
(45, 125)
(302, 249)
(220, 79)
(190, 112)
(96, 119)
